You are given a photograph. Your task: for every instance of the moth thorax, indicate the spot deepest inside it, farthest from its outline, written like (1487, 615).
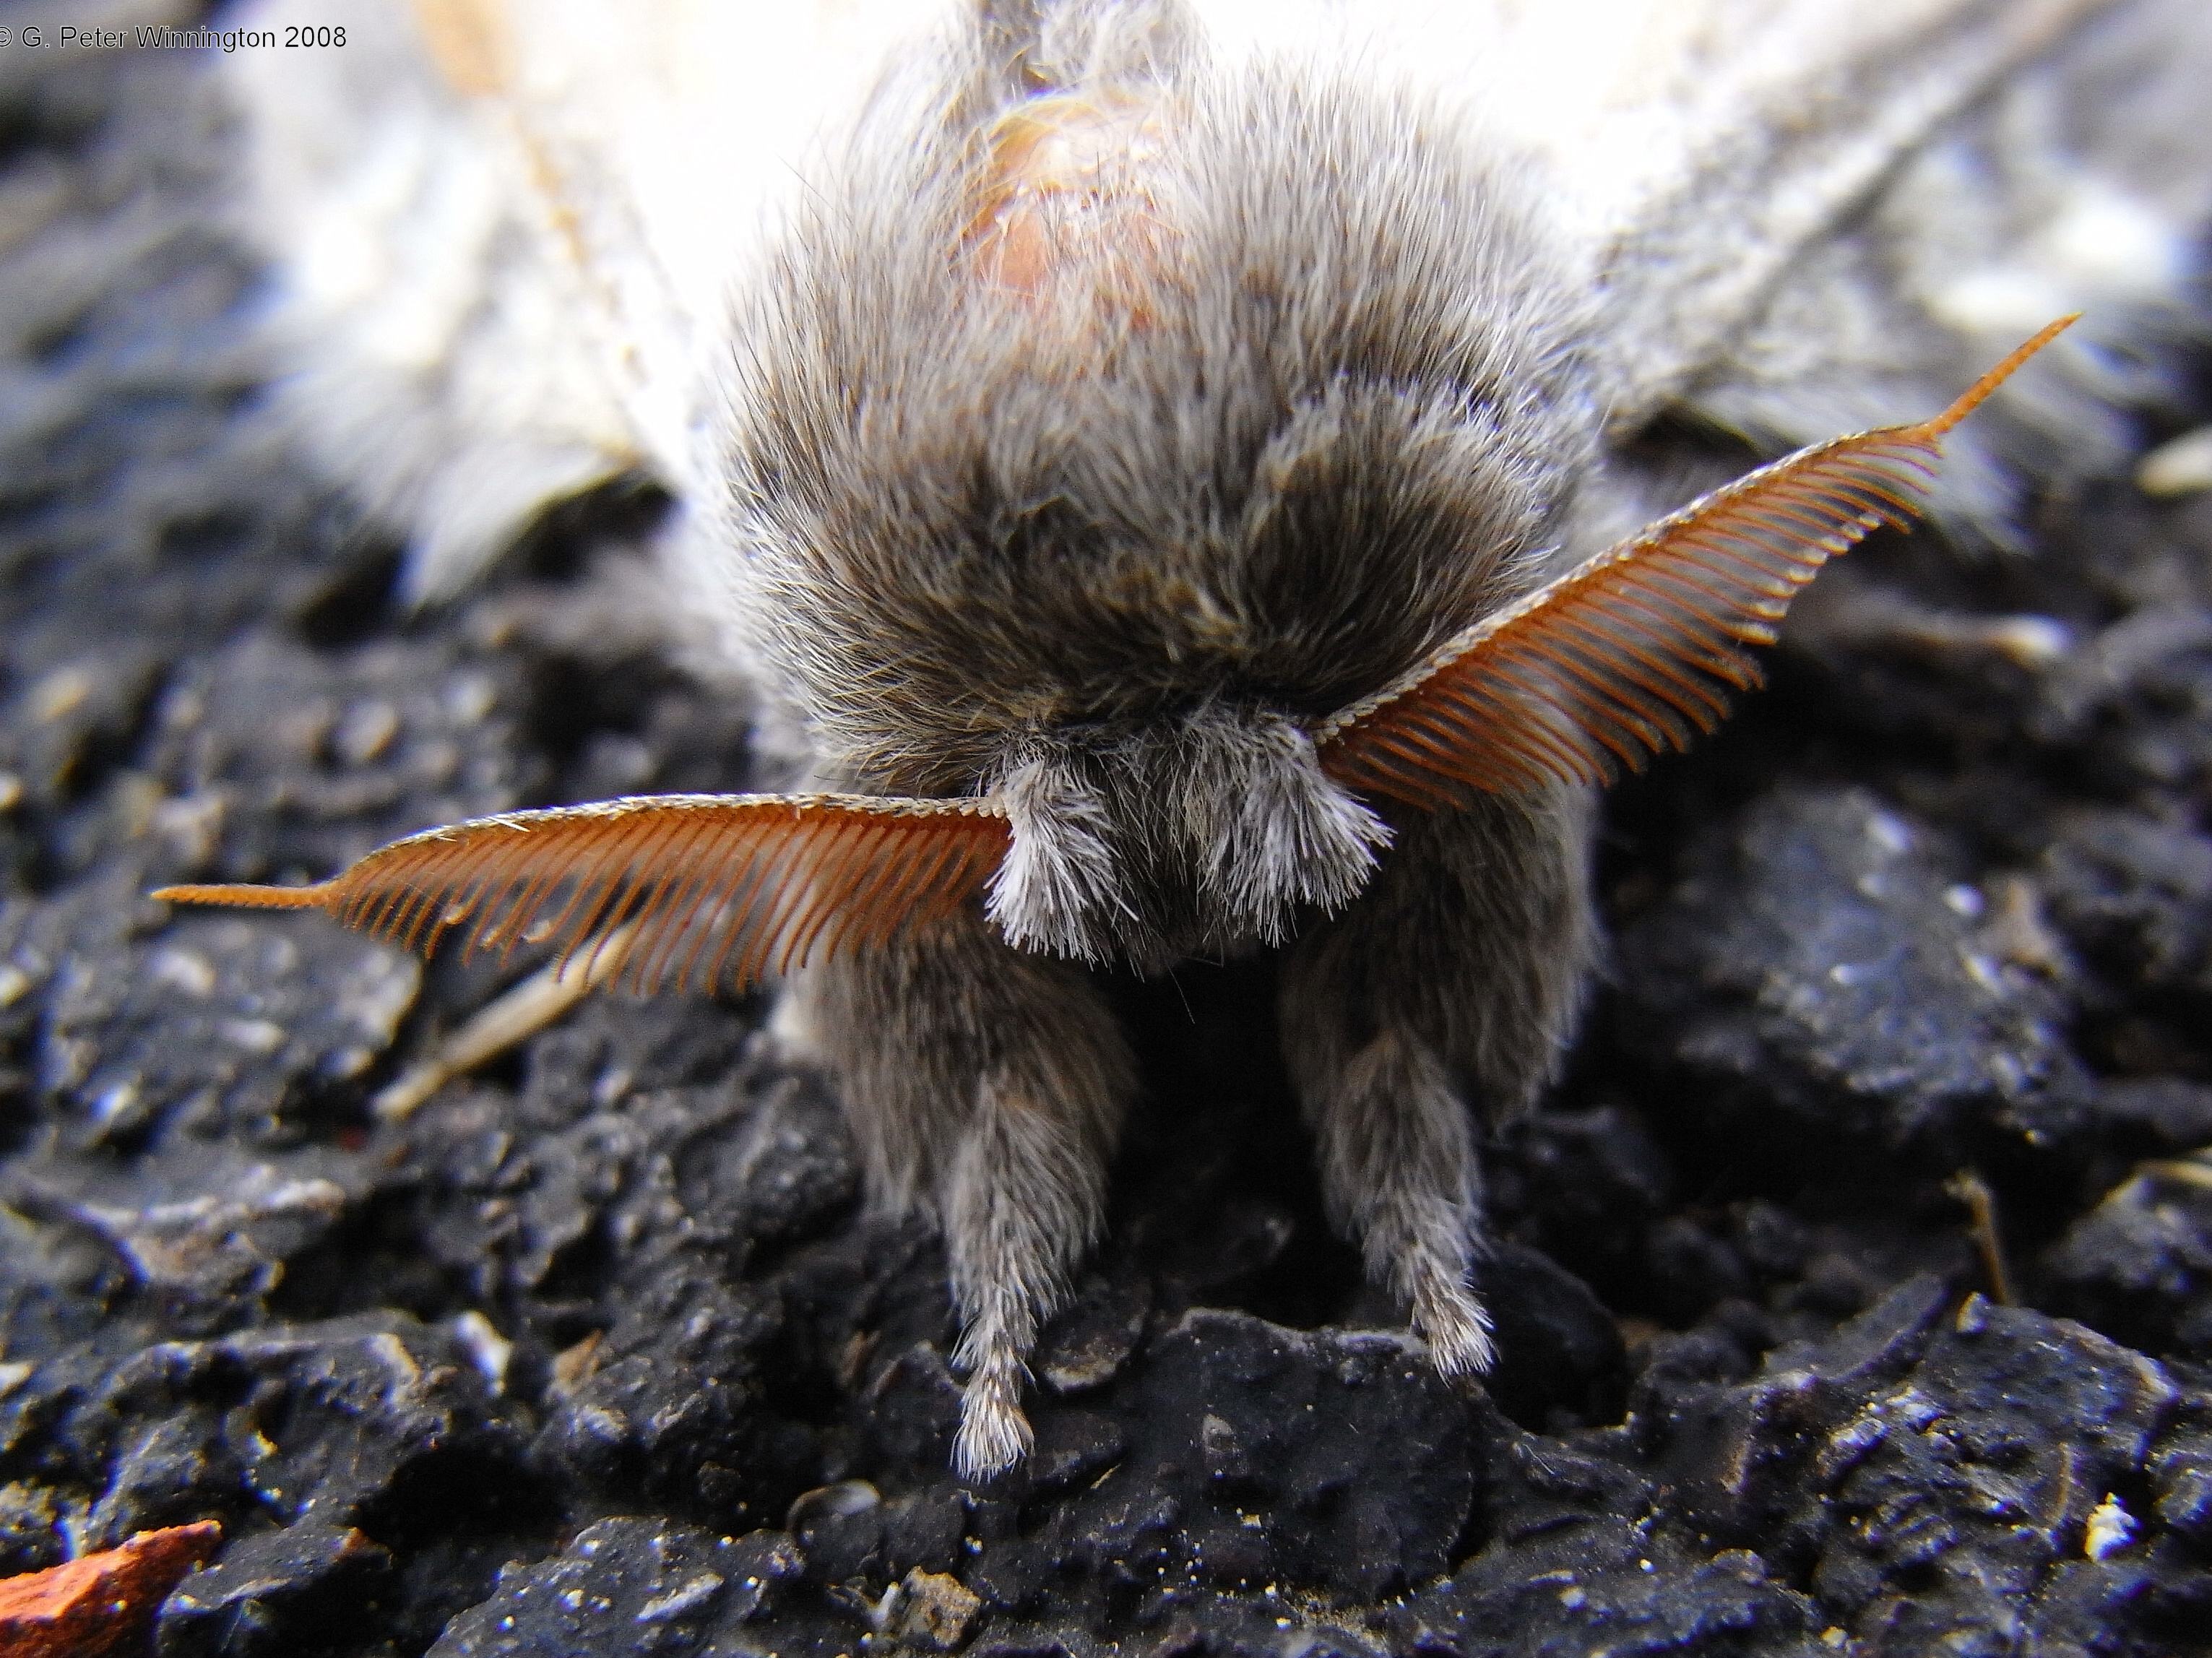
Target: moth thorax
(1217, 828)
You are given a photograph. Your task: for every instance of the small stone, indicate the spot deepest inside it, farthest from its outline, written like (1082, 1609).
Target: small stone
(2179, 466)
(2175, 1114)
(682, 1601)
(2109, 1528)
(840, 1528)
(205, 1231)
(232, 1017)
(1074, 1447)
(2134, 1265)
(1808, 961)
(938, 1611)
(485, 1345)
(1558, 1346)
(60, 694)
(1973, 1316)
(572, 1365)
(1088, 1343)
(2182, 1478)
(31, 1521)
(630, 1585)
(1360, 1458)
(365, 732)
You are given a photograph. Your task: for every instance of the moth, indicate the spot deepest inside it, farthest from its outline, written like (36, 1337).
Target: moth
(1175, 468)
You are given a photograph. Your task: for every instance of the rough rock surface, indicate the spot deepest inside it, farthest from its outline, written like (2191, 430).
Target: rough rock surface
(597, 1352)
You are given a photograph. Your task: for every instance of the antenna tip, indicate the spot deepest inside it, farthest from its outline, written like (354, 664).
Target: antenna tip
(1979, 391)
(246, 897)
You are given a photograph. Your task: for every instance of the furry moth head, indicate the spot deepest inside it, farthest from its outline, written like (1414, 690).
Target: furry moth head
(1248, 812)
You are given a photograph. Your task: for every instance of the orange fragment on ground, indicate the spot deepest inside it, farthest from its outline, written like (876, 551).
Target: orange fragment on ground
(102, 1606)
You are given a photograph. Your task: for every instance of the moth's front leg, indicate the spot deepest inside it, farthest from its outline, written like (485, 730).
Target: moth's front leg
(985, 1085)
(1451, 982)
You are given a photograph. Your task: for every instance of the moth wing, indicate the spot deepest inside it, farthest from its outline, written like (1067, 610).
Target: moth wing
(1634, 651)
(1801, 218)
(419, 312)
(502, 234)
(717, 891)
(2082, 181)
(1722, 143)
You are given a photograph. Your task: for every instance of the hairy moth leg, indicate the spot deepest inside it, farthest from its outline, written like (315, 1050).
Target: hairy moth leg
(986, 1086)
(1452, 981)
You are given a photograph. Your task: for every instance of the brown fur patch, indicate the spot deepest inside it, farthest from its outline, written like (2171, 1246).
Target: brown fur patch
(1069, 211)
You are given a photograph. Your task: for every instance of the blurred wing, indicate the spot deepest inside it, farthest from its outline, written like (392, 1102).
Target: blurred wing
(1730, 138)
(1692, 148)
(1633, 653)
(1802, 217)
(2080, 181)
(502, 232)
(719, 890)
(666, 139)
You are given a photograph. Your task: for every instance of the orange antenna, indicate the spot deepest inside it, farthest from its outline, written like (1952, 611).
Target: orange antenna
(1633, 652)
(723, 890)
(1978, 393)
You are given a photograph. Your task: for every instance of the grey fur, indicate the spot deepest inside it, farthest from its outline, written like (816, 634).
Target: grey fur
(985, 1086)
(1060, 888)
(1205, 830)
(1117, 574)
(966, 526)
(1454, 979)
(1269, 833)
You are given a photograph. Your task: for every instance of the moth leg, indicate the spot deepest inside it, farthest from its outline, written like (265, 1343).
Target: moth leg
(1453, 982)
(984, 1086)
